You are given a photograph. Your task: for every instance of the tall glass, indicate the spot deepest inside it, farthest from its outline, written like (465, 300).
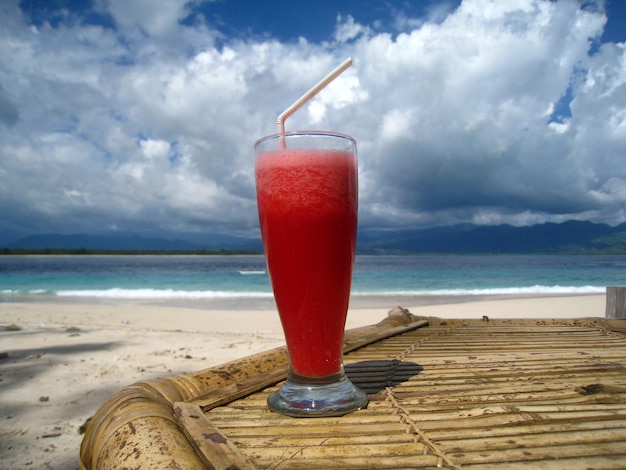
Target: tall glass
(307, 199)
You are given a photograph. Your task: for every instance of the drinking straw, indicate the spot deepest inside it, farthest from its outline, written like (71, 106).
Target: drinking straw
(280, 121)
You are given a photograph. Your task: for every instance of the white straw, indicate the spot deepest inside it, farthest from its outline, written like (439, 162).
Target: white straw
(280, 121)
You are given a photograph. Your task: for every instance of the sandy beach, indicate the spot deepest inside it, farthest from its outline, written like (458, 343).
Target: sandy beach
(60, 361)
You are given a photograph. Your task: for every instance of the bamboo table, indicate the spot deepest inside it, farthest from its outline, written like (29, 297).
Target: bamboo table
(452, 394)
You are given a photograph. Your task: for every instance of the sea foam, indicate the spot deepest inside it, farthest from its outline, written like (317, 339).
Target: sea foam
(146, 294)
(119, 293)
(537, 289)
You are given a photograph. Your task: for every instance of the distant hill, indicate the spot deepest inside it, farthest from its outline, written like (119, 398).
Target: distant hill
(134, 242)
(565, 238)
(571, 237)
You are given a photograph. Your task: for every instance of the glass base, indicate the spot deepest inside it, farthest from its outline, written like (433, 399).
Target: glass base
(304, 397)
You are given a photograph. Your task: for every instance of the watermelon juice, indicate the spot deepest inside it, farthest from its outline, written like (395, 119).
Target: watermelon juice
(307, 202)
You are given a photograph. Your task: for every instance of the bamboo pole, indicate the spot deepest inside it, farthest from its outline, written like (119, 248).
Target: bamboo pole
(615, 302)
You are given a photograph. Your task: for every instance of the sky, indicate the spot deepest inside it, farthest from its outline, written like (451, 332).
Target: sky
(125, 116)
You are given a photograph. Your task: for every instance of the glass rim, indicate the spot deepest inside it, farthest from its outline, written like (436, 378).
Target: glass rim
(305, 133)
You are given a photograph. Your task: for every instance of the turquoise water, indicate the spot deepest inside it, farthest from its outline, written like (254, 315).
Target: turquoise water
(211, 277)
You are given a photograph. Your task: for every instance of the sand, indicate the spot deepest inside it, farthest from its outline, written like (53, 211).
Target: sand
(60, 361)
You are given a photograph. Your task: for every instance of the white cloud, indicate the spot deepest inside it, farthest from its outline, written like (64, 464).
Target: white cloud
(349, 29)
(397, 124)
(155, 149)
(477, 86)
(152, 125)
(140, 17)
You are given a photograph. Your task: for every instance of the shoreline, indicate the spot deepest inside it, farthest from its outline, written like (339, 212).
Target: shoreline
(59, 361)
(358, 300)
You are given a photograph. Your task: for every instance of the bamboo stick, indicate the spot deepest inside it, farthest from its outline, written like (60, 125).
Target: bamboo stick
(216, 450)
(546, 453)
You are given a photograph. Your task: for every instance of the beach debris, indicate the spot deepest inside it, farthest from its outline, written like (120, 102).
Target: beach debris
(72, 329)
(12, 327)
(83, 427)
(52, 434)
(125, 322)
(44, 398)
(398, 310)
(4, 355)
(485, 318)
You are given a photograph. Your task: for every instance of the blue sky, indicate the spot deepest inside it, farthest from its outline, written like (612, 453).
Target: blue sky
(117, 116)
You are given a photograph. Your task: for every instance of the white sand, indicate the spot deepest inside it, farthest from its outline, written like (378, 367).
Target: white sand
(66, 359)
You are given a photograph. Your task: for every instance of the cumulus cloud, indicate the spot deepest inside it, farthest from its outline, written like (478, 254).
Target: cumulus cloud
(469, 129)
(146, 121)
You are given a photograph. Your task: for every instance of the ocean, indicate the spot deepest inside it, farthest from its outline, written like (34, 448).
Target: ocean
(233, 281)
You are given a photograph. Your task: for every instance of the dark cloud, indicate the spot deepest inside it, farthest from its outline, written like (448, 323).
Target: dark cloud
(9, 113)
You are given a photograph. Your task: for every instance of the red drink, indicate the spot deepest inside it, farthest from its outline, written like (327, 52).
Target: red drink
(307, 196)
(307, 202)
